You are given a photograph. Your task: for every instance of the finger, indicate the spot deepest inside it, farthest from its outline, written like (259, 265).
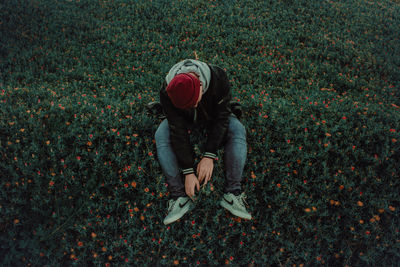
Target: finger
(192, 191)
(189, 195)
(208, 177)
(198, 185)
(206, 181)
(201, 175)
(201, 178)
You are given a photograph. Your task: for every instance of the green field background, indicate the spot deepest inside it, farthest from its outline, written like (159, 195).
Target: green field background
(320, 90)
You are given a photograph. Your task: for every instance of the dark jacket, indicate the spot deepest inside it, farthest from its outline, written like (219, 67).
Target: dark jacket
(212, 111)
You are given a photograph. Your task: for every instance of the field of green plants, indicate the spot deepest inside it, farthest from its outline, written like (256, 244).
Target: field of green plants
(319, 83)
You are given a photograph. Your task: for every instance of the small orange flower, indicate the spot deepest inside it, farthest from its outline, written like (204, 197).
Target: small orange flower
(146, 189)
(80, 244)
(360, 204)
(133, 184)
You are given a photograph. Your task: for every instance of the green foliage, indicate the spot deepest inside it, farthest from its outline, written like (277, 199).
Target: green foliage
(319, 85)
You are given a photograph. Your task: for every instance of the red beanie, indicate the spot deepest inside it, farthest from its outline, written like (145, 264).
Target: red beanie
(183, 90)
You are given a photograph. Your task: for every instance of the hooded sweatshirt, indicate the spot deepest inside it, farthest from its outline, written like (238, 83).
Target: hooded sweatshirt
(191, 65)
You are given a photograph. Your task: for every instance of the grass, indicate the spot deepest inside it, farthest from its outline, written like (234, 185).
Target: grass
(319, 85)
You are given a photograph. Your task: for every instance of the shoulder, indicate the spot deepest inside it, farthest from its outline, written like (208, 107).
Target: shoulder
(219, 76)
(217, 70)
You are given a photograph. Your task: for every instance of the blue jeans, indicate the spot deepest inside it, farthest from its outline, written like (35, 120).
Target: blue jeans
(234, 157)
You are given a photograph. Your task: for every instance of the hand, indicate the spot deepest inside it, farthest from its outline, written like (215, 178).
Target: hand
(191, 183)
(205, 169)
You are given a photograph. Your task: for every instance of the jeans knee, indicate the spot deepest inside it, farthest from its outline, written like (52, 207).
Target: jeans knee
(236, 129)
(162, 133)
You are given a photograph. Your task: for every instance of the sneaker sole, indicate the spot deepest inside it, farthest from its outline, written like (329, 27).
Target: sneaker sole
(235, 212)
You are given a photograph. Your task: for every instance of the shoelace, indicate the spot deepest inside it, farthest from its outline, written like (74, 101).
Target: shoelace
(242, 199)
(171, 204)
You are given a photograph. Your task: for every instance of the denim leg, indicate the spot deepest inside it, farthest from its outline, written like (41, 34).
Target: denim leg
(167, 159)
(235, 154)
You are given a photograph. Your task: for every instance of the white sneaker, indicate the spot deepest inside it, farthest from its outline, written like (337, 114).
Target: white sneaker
(235, 204)
(177, 208)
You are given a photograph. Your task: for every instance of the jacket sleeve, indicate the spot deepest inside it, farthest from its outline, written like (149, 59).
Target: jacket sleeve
(178, 134)
(217, 129)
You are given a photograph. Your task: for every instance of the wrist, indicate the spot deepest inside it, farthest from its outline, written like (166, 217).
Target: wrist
(190, 175)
